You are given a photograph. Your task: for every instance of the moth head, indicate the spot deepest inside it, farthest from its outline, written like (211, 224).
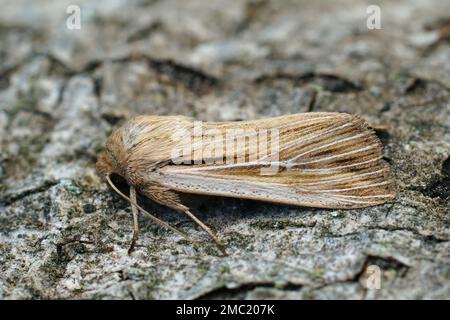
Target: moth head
(104, 165)
(111, 160)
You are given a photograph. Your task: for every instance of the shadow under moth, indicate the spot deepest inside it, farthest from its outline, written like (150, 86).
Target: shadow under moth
(317, 159)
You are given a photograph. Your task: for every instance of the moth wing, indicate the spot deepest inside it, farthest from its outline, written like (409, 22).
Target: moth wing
(329, 160)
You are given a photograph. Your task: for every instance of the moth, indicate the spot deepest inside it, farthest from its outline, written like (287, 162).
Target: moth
(317, 159)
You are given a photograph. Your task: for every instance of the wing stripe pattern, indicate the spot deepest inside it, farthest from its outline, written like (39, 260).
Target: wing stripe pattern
(329, 160)
(327, 181)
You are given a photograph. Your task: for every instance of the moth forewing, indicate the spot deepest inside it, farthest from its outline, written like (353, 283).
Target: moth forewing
(328, 160)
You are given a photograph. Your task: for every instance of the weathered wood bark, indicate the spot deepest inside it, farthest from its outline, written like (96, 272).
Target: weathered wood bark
(64, 235)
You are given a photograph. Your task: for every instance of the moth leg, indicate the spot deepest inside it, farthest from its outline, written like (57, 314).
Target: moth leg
(171, 199)
(135, 211)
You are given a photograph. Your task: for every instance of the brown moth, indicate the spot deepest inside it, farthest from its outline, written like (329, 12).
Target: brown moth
(325, 160)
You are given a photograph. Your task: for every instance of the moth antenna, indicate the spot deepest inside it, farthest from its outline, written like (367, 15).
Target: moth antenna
(216, 240)
(155, 219)
(135, 212)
